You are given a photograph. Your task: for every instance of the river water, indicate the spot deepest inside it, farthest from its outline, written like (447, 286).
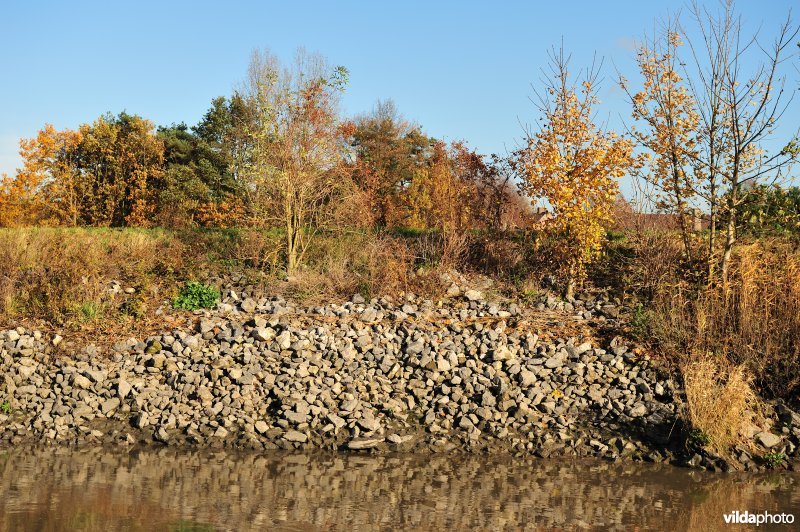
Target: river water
(97, 489)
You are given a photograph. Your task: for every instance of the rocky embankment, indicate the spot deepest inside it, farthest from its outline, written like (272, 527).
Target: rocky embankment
(405, 375)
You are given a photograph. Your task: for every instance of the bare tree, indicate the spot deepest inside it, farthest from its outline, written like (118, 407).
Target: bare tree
(709, 120)
(739, 110)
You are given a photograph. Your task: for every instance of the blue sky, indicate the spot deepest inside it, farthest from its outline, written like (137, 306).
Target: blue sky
(463, 70)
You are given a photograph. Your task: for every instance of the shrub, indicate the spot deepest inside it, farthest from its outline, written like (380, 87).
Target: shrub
(774, 460)
(699, 438)
(196, 295)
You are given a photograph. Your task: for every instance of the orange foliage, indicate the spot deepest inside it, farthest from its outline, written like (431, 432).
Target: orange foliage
(103, 174)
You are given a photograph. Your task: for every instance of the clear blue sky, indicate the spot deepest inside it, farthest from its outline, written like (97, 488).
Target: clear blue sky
(462, 70)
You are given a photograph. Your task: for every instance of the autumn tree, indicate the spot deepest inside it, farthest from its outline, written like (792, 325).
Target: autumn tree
(710, 115)
(388, 152)
(18, 202)
(438, 197)
(104, 174)
(43, 190)
(292, 176)
(669, 127)
(738, 82)
(574, 164)
(494, 200)
(121, 163)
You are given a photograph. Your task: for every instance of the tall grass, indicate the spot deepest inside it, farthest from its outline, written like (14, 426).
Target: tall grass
(55, 274)
(753, 320)
(719, 401)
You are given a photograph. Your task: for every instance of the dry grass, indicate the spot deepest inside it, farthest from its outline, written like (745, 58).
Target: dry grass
(753, 321)
(60, 275)
(720, 401)
(359, 262)
(64, 276)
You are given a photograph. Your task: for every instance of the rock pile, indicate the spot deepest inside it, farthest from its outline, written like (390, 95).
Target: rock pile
(385, 374)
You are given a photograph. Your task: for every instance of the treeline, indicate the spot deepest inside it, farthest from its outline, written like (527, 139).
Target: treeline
(279, 153)
(377, 169)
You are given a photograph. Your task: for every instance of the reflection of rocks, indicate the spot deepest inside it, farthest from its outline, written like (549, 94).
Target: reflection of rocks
(153, 489)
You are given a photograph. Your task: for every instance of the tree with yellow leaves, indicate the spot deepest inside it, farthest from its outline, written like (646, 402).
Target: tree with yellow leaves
(667, 110)
(575, 165)
(437, 197)
(710, 119)
(48, 171)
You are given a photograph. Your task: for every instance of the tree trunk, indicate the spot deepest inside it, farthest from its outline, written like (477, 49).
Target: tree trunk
(712, 239)
(569, 292)
(730, 240)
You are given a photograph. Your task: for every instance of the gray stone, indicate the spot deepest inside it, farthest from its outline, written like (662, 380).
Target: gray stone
(554, 362)
(526, 378)
(263, 334)
(473, 295)
(123, 388)
(415, 348)
(638, 410)
(768, 439)
(358, 444)
(160, 434)
(153, 347)
(80, 381)
(109, 405)
(248, 305)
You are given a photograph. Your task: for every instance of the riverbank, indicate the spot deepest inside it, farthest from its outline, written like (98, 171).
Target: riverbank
(404, 374)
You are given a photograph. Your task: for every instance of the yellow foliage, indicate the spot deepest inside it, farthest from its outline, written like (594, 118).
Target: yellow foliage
(575, 166)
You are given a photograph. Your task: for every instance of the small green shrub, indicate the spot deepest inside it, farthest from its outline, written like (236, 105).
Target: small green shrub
(196, 295)
(699, 438)
(640, 321)
(133, 307)
(5, 407)
(773, 459)
(89, 311)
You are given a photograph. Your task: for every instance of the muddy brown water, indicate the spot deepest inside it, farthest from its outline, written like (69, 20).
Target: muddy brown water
(98, 489)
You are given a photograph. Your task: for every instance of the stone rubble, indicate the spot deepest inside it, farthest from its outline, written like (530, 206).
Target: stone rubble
(407, 374)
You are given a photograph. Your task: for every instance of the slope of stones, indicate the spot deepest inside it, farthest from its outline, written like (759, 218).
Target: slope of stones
(357, 375)
(407, 375)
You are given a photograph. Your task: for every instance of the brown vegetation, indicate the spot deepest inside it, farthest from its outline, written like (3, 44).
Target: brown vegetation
(720, 402)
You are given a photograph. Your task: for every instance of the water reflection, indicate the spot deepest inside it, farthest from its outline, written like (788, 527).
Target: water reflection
(167, 490)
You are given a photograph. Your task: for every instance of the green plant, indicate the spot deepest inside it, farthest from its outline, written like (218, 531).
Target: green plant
(196, 295)
(133, 307)
(89, 311)
(773, 459)
(5, 407)
(698, 438)
(640, 321)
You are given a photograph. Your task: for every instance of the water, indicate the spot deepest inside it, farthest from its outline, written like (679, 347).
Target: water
(164, 489)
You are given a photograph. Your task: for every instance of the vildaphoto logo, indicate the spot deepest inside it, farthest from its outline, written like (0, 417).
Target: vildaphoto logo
(763, 518)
